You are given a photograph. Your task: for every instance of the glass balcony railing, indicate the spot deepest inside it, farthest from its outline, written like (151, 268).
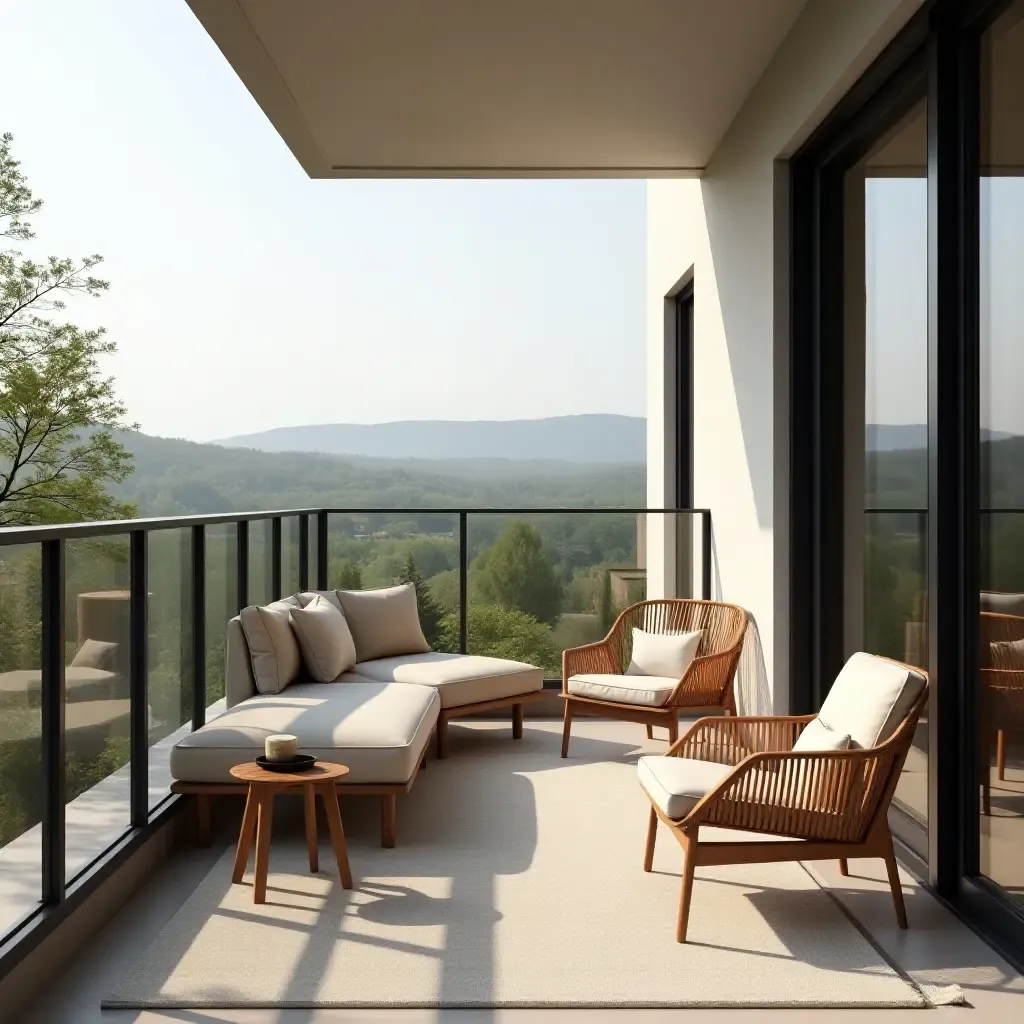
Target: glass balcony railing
(112, 641)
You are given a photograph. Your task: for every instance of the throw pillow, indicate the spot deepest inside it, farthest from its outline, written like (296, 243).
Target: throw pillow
(324, 639)
(1008, 654)
(385, 622)
(95, 654)
(273, 647)
(818, 736)
(663, 654)
(330, 595)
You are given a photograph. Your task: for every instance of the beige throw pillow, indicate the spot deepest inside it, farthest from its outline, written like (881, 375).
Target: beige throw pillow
(818, 736)
(385, 622)
(660, 654)
(324, 639)
(273, 647)
(99, 654)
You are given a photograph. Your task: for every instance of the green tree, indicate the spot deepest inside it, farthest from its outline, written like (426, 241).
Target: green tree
(606, 610)
(430, 614)
(517, 574)
(350, 576)
(57, 410)
(503, 633)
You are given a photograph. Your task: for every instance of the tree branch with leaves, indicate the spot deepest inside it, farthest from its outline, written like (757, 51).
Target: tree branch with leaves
(58, 410)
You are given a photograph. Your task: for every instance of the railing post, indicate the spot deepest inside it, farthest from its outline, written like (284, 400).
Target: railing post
(322, 524)
(275, 558)
(463, 583)
(52, 710)
(137, 676)
(242, 563)
(303, 552)
(705, 544)
(198, 582)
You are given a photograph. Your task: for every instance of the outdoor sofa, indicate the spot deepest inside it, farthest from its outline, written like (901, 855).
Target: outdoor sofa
(361, 688)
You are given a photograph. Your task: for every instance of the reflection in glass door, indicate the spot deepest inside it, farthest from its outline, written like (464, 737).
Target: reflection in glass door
(886, 418)
(1001, 322)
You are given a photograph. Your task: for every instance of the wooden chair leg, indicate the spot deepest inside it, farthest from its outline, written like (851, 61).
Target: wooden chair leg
(517, 721)
(894, 881)
(309, 799)
(203, 801)
(442, 737)
(388, 813)
(1001, 755)
(245, 836)
(689, 849)
(673, 728)
(844, 867)
(329, 797)
(652, 835)
(263, 829)
(566, 728)
(650, 731)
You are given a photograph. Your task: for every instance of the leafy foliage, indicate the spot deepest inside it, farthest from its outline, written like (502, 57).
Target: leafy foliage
(503, 633)
(58, 411)
(516, 574)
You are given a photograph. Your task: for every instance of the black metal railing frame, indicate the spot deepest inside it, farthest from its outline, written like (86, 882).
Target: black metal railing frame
(52, 540)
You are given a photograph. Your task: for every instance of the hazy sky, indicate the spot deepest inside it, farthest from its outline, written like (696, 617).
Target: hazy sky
(245, 296)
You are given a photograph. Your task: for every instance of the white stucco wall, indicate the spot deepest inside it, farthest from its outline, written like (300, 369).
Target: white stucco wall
(730, 229)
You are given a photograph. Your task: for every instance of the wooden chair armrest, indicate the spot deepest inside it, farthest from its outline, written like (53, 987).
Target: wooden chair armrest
(819, 795)
(595, 657)
(730, 740)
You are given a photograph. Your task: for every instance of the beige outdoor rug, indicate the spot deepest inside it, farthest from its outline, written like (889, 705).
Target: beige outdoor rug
(517, 882)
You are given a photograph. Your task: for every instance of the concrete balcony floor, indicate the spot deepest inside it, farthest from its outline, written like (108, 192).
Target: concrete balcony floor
(937, 950)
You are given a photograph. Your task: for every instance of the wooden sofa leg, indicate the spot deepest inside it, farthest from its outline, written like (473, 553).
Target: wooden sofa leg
(517, 721)
(566, 728)
(388, 811)
(844, 867)
(203, 801)
(650, 731)
(442, 737)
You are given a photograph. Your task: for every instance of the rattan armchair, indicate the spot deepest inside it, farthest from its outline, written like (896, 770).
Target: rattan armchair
(829, 805)
(1001, 696)
(705, 686)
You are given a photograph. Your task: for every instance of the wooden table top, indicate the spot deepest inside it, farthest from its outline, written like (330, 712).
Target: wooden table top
(322, 771)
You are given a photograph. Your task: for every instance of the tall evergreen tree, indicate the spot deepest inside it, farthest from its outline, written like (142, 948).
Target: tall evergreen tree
(350, 577)
(430, 614)
(516, 573)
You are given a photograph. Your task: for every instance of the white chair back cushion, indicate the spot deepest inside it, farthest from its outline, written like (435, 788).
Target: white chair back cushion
(663, 654)
(869, 699)
(1002, 604)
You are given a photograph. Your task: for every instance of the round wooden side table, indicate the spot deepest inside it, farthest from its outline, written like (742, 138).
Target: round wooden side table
(259, 816)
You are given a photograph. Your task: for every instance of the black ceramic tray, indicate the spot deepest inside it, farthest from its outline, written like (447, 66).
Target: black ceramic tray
(299, 763)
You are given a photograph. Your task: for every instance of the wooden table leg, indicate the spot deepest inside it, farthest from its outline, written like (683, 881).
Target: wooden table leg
(309, 798)
(263, 827)
(245, 834)
(330, 800)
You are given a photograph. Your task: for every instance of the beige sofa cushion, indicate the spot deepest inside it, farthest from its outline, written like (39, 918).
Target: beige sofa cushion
(459, 679)
(649, 691)
(384, 622)
(273, 647)
(378, 730)
(663, 654)
(677, 784)
(869, 699)
(324, 639)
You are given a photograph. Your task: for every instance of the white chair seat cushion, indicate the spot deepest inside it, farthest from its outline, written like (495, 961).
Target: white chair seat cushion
(869, 699)
(677, 784)
(459, 679)
(648, 691)
(379, 730)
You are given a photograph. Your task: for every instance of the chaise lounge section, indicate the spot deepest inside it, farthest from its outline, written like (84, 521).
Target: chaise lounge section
(376, 715)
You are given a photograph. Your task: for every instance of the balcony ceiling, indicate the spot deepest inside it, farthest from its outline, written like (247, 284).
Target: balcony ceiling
(532, 88)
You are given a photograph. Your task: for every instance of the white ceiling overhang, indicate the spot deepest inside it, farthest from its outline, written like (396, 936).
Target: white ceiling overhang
(520, 88)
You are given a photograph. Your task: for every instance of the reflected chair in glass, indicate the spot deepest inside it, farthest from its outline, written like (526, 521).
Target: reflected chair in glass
(706, 685)
(1001, 693)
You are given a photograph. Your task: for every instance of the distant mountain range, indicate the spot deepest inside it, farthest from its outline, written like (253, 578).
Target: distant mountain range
(892, 437)
(590, 438)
